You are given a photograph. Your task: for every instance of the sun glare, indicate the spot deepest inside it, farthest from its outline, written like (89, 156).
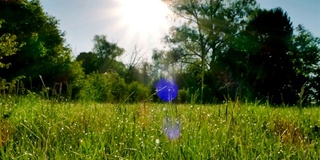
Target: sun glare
(142, 18)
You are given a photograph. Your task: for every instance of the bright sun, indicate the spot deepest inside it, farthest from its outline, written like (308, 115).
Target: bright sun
(142, 18)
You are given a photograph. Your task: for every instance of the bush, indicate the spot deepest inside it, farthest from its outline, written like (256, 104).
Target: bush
(138, 92)
(107, 87)
(183, 96)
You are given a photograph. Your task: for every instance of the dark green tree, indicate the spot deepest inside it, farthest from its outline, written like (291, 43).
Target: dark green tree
(44, 51)
(264, 66)
(89, 61)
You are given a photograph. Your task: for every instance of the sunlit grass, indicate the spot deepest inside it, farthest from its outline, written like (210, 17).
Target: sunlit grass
(33, 128)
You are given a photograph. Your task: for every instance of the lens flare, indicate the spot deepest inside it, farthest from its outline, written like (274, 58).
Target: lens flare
(167, 90)
(172, 128)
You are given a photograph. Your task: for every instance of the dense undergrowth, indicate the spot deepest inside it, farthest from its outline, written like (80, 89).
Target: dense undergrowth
(34, 128)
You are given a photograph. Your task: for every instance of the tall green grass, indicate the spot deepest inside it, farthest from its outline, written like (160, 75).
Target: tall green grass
(34, 128)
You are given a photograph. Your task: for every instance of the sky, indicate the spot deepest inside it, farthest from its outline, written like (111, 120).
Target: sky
(82, 19)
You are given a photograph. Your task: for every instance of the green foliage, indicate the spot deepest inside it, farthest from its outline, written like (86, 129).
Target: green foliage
(110, 87)
(203, 36)
(270, 73)
(264, 61)
(33, 128)
(225, 48)
(43, 51)
(184, 96)
(305, 55)
(102, 57)
(89, 62)
(138, 92)
(105, 49)
(305, 51)
(234, 49)
(15, 86)
(8, 46)
(107, 87)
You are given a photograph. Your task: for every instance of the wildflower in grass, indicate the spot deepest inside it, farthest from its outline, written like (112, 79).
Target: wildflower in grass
(172, 128)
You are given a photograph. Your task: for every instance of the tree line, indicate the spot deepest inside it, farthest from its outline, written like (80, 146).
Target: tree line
(221, 50)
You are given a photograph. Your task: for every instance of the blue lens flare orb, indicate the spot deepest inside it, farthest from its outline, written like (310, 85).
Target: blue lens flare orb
(167, 90)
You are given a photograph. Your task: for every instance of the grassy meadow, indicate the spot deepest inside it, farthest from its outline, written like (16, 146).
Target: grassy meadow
(34, 128)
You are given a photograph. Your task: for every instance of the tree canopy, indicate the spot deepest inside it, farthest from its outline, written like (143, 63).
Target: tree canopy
(219, 50)
(239, 50)
(42, 46)
(207, 29)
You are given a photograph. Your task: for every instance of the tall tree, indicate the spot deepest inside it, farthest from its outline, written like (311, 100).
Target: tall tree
(305, 52)
(269, 68)
(207, 27)
(305, 55)
(105, 49)
(44, 51)
(157, 58)
(106, 52)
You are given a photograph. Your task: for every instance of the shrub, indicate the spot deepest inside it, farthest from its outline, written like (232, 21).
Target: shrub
(107, 87)
(183, 96)
(138, 92)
